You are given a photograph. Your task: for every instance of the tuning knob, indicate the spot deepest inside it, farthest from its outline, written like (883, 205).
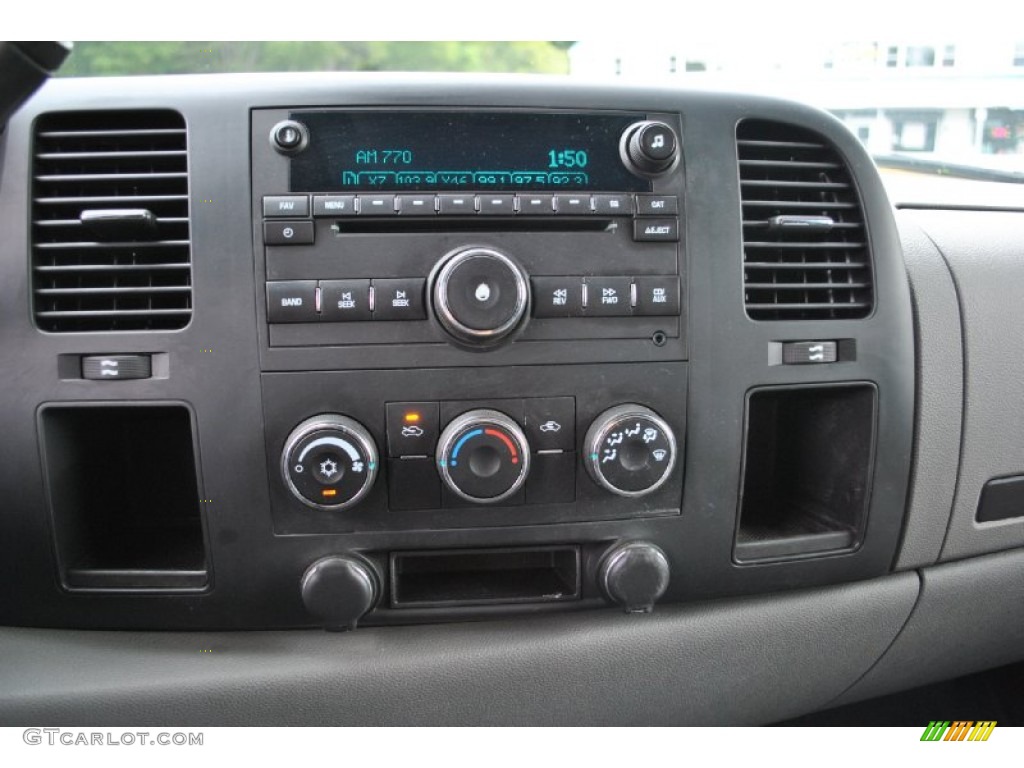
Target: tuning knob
(650, 148)
(329, 462)
(634, 575)
(339, 590)
(630, 450)
(480, 296)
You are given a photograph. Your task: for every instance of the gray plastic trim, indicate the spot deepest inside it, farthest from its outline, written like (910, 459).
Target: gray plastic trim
(940, 398)
(984, 250)
(970, 617)
(742, 661)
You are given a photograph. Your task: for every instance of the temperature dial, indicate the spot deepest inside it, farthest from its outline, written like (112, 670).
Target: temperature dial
(630, 450)
(483, 456)
(329, 462)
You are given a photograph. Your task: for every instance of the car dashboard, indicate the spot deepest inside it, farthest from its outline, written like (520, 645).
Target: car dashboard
(552, 402)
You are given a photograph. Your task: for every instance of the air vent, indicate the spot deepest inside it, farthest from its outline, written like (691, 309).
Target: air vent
(110, 243)
(805, 252)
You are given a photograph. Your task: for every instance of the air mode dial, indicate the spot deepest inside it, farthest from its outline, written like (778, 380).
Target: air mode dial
(329, 462)
(483, 456)
(630, 450)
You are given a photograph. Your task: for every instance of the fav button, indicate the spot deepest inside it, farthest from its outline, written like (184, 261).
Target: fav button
(285, 205)
(398, 299)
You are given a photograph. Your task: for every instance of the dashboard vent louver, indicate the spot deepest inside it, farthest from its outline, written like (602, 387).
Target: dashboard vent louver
(110, 222)
(805, 248)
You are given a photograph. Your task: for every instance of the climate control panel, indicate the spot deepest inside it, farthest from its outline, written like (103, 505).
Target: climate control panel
(380, 459)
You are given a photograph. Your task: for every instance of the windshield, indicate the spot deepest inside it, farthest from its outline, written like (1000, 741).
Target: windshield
(920, 104)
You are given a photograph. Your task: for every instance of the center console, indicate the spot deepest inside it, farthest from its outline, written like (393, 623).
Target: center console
(426, 354)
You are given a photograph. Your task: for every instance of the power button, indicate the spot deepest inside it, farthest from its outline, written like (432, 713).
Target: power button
(289, 137)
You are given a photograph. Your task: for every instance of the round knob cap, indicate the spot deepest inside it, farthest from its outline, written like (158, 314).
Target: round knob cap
(329, 462)
(630, 450)
(651, 148)
(480, 295)
(483, 456)
(634, 575)
(289, 137)
(339, 590)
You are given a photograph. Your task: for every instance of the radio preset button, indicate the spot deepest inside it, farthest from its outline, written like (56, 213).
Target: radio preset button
(288, 232)
(334, 205)
(291, 301)
(613, 205)
(497, 205)
(536, 205)
(456, 205)
(657, 205)
(344, 300)
(572, 205)
(557, 296)
(377, 205)
(656, 230)
(608, 296)
(415, 205)
(285, 205)
(399, 299)
(656, 296)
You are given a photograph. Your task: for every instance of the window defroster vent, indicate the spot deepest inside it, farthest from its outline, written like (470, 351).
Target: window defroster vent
(805, 249)
(110, 229)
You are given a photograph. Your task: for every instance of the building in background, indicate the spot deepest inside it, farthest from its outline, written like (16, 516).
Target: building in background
(953, 100)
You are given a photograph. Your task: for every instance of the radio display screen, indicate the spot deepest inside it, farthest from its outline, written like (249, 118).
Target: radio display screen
(392, 151)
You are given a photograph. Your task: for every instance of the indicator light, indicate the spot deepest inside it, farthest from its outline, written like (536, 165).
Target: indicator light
(412, 417)
(329, 492)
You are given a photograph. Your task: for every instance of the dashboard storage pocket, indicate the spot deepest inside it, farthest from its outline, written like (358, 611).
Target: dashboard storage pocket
(480, 577)
(807, 470)
(124, 496)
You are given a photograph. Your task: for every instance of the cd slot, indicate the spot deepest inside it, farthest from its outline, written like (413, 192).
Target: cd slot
(468, 224)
